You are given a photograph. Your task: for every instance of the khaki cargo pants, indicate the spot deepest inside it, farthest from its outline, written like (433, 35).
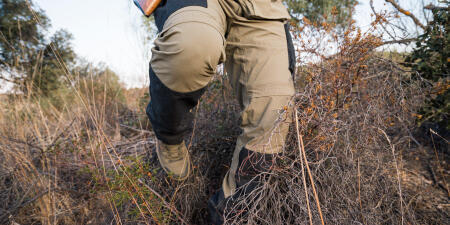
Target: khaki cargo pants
(250, 38)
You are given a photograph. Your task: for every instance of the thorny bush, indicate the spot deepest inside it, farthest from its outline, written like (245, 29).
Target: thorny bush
(353, 111)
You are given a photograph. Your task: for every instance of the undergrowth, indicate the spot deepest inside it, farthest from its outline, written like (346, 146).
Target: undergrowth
(348, 158)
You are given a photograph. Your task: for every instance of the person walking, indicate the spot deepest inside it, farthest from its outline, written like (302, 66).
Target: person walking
(252, 39)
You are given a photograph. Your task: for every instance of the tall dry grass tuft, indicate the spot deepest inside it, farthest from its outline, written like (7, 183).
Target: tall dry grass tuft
(52, 156)
(86, 158)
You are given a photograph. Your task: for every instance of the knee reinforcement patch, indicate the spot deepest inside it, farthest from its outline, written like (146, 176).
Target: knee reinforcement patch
(169, 111)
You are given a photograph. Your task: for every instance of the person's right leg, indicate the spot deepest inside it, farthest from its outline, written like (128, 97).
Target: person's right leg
(188, 49)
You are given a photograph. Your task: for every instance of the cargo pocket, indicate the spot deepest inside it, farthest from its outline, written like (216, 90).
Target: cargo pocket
(264, 9)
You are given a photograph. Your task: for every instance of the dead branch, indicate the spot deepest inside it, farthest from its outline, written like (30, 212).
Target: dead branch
(165, 203)
(407, 13)
(303, 170)
(433, 7)
(402, 41)
(310, 177)
(397, 170)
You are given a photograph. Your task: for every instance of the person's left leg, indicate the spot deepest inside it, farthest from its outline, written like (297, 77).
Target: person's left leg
(260, 63)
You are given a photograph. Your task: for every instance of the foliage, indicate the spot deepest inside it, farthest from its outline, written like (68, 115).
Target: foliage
(55, 59)
(101, 85)
(27, 58)
(21, 33)
(126, 187)
(320, 11)
(430, 60)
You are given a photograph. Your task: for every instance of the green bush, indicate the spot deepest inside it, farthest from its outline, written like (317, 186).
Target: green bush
(430, 61)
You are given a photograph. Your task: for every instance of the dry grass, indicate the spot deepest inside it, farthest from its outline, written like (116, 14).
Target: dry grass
(92, 161)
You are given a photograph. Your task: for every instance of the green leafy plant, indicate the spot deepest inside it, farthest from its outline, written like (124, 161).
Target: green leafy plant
(125, 189)
(430, 61)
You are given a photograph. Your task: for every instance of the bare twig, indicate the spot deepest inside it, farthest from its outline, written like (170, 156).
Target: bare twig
(311, 178)
(398, 172)
(433, 7)
(407, 13)
(438, 161)
(434, 132)
(134, 129)
(195, 126)
(38, 196)
(303, 169)
(167, 205)
(402, 41)
(59, 136)
(23, 142)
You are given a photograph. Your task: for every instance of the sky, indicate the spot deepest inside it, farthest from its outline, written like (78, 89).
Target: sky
(104, 31)
(109, 31)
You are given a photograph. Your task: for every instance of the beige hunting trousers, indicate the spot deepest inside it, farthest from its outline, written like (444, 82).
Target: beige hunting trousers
(249, 37)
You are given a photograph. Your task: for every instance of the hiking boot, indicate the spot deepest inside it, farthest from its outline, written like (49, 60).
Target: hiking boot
(216, 207)
(174, 159)
(251, 164)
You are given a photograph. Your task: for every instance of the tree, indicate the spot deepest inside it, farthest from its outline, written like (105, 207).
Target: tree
(55, 62)
(27, 58)
(321, 10)
(20, 35)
